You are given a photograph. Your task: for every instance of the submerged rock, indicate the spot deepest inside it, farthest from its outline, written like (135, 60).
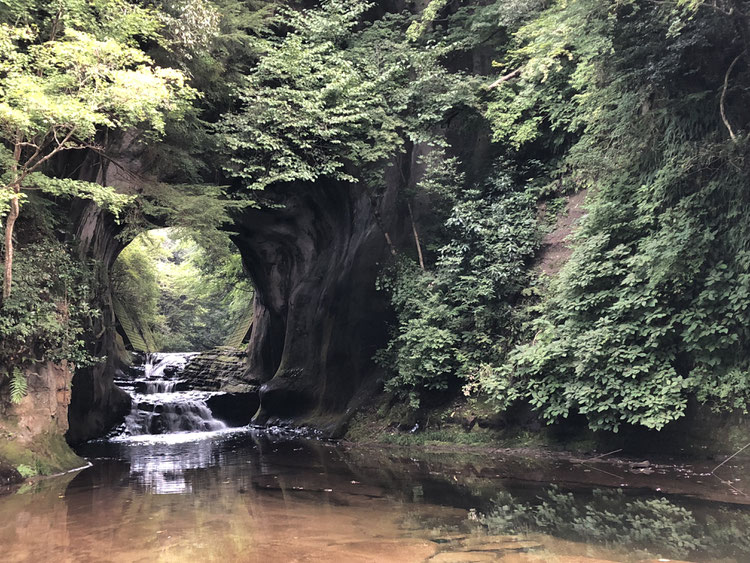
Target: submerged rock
(9, 475)
(462, 557)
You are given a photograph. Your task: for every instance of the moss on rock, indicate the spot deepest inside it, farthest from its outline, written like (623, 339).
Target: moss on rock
(46, 454)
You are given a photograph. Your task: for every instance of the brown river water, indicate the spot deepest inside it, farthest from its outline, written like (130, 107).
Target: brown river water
(245, 495)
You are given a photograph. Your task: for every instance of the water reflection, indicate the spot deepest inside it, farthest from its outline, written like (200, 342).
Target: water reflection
(643, 525)
(244, 496)
(162, 464)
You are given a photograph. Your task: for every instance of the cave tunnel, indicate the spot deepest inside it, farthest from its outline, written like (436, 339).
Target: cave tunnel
(313, 257)
(172, 294)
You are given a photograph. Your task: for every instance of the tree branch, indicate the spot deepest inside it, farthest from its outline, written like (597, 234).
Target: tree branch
(60, 147)
(100, 151)
(723, 98)
(40, 147)
(505, 78)
(416, 236)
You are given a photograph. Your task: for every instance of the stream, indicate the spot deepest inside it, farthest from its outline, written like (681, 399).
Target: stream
(176, 484)
(162, 404)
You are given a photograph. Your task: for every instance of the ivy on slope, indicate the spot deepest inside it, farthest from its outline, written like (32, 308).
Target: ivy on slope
(654, 305)
(457, 319)
(50, 312)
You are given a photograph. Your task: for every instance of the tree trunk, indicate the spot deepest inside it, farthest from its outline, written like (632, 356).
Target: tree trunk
(9, 224)
(416, 236)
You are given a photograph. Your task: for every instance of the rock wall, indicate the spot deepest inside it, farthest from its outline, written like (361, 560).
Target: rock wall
(32, 430)
(557, 246)
(97, 404)
(314, 257)
(45, 406)
(318, 318)
(220, 369)
(314, 254)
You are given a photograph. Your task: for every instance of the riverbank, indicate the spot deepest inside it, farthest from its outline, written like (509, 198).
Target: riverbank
(725, 482)
(47, 454)
(701, 440)
(32, 430)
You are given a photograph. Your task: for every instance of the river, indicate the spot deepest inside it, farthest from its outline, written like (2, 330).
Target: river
(214, 493)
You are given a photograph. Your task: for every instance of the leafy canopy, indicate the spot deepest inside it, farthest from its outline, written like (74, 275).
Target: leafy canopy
(55, 95)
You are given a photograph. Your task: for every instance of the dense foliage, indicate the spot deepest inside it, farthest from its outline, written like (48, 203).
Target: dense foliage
(62, 86)
(74, 77)
(47, 315)
(653, 306)
(335, 95)
(642, 103)
(457, 319)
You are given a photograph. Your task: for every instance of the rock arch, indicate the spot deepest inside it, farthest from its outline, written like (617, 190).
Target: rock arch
(313, 258)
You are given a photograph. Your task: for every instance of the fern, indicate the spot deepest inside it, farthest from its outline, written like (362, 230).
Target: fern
(18, 386)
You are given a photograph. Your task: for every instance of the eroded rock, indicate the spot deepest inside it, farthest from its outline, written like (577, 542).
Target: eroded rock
(220, 369)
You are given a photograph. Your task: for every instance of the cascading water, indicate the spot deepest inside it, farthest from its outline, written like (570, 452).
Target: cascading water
(161, 404)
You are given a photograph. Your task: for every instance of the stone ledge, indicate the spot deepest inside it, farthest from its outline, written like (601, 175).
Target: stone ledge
(220, 369)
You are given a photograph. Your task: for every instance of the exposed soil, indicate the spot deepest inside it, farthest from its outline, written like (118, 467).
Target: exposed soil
(556, 248)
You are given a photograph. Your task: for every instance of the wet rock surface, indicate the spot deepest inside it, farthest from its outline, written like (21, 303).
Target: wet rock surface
(166, 400)
(8, 476)
(221, 369)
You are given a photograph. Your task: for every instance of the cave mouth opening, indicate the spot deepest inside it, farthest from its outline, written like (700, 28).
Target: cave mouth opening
(175, 291)
(184, 305)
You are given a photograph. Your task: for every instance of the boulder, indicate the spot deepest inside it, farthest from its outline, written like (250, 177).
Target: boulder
(9, 475)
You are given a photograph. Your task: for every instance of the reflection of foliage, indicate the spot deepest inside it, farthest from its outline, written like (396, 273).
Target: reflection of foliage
(652, 525)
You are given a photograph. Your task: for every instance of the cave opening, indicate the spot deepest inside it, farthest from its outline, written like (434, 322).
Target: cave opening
(184, 308)
(174, 292)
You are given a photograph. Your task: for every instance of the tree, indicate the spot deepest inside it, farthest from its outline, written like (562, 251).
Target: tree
(55, 96)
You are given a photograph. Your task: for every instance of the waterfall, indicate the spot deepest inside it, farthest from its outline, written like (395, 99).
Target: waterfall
(161, 404)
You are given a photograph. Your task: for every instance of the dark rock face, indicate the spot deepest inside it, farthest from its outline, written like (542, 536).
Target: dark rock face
(97, 404)
(234, 409)
(318, 318)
